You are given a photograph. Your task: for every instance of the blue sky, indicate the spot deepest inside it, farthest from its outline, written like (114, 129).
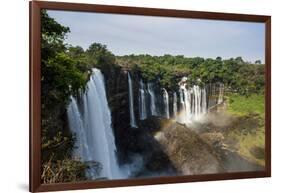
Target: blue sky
(127, 34)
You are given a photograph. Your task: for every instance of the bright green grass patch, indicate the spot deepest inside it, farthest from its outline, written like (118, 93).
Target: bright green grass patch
(242, 105)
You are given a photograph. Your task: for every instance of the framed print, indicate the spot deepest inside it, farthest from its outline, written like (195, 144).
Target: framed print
(123, 96)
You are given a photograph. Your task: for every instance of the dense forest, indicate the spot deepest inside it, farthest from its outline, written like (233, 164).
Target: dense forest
(66, 70)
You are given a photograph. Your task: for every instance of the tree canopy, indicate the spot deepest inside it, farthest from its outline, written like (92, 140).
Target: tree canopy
(235, 73)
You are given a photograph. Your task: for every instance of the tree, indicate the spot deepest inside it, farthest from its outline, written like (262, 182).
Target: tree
(53, 35)
(60, 78)
(78, 54)
(98, 56)
(75, 52)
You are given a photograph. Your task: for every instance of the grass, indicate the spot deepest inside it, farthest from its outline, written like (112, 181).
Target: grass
(248, 142)
(243, 105)
(247, 108)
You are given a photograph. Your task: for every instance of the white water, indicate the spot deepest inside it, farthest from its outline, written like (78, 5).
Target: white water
(92, 126)
(193, 102)
(142, 101)
(82, 149)
(131, 103)
(166, 103)
(175, 105)
(185, 115)
(204, 101)
(152, 99)
(221, 90)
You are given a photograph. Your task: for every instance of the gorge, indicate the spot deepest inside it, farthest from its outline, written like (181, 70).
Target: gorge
(90, 118)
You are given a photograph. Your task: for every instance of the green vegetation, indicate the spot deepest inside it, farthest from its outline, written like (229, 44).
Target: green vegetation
(251, 143)
(61, 77)
(248, 132)
(239, 76)
(65, 71)
(248, 135)
(243, 105)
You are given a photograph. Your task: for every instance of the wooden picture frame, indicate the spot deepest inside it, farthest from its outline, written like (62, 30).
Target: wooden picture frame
(35, 93)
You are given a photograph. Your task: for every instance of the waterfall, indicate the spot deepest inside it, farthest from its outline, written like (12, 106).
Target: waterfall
(166, 103)
(193, 102)
(185, 97)
(187, 103)
(131, 102)
(92, 126)
(182, 108)
(175, 105)
(152, 99)
(142, 101)
(221, 90)
(81, 151)
(204, 101)
(197, 102)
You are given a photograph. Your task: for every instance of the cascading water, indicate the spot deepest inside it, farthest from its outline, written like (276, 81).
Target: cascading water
(193, 102)
(131, 103)
(182, 114)
(166, 103)
(221, 90)
(204, 101)
(92, 126)
(197, 108)
(142, 101)
(81, 151)
(175, 105)
(152, 99)
(186, 103)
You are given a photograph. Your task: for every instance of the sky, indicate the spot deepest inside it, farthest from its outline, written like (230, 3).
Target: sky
(128, 34)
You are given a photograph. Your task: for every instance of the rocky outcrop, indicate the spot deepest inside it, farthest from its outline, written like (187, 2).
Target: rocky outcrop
(230, 138)
(188, 153)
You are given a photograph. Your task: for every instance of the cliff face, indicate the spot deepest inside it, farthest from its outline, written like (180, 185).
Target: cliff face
(117, 95)
(118, 98)
(134, 141)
